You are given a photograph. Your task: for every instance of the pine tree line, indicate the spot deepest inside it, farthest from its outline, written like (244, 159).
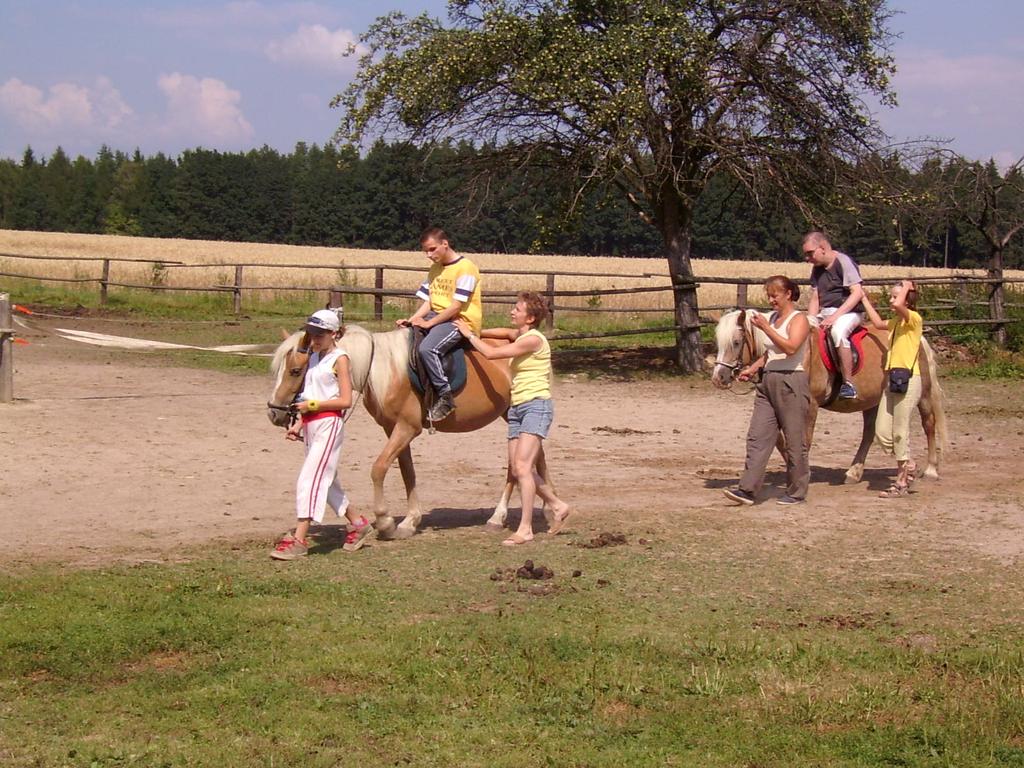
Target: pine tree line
(334, 197)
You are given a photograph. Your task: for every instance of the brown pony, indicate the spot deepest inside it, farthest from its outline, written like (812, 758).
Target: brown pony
(379, 364)
(739, 342)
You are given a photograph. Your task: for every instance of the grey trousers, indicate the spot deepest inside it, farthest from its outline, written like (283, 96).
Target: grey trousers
(439, 340)
(782, 404)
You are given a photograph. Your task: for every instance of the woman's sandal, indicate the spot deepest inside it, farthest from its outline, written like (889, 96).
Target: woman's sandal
(515, 540)
(559, 523)
(894, 491)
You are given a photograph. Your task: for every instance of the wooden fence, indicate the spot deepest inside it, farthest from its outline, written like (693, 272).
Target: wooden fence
(336, 293)
(6, 345)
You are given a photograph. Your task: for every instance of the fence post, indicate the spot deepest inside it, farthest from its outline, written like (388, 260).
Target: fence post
(550, 322)
(378, 299)
(237, 290)
(741, 295)
(104, 282)
(336, 299)
(6, 349)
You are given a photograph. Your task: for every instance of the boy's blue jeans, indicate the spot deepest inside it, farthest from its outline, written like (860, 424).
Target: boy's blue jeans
(439, 340)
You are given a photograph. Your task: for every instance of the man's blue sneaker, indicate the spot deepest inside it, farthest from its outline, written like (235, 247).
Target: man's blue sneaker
(847, 391)
(787, 500)
(738, 494)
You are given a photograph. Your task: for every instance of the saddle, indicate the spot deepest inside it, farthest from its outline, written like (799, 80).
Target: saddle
(829, 354)
(454, 364)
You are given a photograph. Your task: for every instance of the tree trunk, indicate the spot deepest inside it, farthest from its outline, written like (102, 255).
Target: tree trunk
(996, 310)
(675, 221)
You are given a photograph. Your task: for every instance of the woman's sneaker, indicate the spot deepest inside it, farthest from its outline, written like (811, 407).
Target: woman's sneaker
(738, 494)
(355, 538)
(289, 548)
(847, 391)
(786, 500)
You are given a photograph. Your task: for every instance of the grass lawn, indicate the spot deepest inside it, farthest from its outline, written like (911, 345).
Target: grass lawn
(661, 652)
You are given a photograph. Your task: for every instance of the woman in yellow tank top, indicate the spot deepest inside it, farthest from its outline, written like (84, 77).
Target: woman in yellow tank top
(531, 411)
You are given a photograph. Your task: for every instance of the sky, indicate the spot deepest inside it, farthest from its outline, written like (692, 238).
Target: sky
(167, 76)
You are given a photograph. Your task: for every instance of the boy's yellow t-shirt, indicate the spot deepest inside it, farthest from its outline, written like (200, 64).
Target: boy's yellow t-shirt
(906, 342)
(459, 280)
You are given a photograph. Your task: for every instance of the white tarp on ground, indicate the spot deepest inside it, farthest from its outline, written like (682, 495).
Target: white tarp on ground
(126, 342)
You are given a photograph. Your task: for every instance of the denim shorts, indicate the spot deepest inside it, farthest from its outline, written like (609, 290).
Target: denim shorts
(532, 417)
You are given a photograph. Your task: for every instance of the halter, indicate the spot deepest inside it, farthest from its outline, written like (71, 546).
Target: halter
(748, 346)
(290, 409)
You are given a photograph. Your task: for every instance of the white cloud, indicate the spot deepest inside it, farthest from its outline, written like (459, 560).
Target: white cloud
(316, 47)
(974, 100)
(203, 110)
(98, 110)
(244, 13)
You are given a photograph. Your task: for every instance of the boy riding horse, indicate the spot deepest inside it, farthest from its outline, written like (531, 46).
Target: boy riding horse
(836, 294)
(451, 291)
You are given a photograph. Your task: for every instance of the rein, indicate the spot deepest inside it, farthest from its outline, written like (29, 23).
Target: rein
(750, 349)
(366, 382)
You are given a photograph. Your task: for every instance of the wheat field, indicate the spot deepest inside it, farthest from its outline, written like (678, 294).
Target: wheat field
(213, 265)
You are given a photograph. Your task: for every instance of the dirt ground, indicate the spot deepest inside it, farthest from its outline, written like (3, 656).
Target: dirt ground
(116, 457)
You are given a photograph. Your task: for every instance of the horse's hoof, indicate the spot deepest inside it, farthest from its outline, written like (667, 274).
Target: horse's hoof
(931, 473)
(852, 479)
(493, 527)
(385, 529)
(404, 533)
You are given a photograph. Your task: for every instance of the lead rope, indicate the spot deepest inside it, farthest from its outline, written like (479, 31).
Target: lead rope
(366, 383)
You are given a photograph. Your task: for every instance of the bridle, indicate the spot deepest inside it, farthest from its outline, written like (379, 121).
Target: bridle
(748, 347)
(291, 409)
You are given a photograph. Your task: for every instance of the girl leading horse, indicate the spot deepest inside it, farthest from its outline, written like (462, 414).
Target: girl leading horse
(380, 372)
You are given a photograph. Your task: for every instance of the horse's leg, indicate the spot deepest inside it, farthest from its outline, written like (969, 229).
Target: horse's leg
(856, 470)
(409, 478)
(398, 441)
(812, 418)
(496, 522)
(926, 407)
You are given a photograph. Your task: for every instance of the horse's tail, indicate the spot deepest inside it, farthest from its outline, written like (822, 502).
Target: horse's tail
(937, 396)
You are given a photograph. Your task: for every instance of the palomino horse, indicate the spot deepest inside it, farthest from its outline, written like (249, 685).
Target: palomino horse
(739, 342)
(379, 365)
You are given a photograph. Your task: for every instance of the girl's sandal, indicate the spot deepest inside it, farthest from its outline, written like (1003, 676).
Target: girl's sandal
(911, 473)
(894, 491)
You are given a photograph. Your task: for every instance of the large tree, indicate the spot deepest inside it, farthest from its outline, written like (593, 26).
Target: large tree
(990, 202)
(654, 97)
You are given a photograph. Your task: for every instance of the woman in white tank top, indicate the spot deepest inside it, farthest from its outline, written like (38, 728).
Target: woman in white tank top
(783, 396)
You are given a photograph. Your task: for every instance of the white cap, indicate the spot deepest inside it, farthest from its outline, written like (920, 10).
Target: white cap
(324, 320)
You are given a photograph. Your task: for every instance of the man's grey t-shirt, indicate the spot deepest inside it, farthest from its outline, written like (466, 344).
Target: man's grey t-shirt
(833, 283)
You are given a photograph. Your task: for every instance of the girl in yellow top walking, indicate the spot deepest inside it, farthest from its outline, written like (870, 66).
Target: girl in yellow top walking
(892, 425)
(531, 410)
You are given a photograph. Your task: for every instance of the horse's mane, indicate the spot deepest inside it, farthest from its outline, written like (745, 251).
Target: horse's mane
(728, 324)
(286, 346)
(389, 352)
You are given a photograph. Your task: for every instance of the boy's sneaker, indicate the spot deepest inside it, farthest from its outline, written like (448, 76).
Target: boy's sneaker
(738, 494)
(847, 391)
(443, 406)
(355, 538)
(289, 548)
(787, 500)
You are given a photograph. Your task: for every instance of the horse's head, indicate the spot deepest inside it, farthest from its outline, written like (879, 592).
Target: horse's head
(735, 347)
(288, 367)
